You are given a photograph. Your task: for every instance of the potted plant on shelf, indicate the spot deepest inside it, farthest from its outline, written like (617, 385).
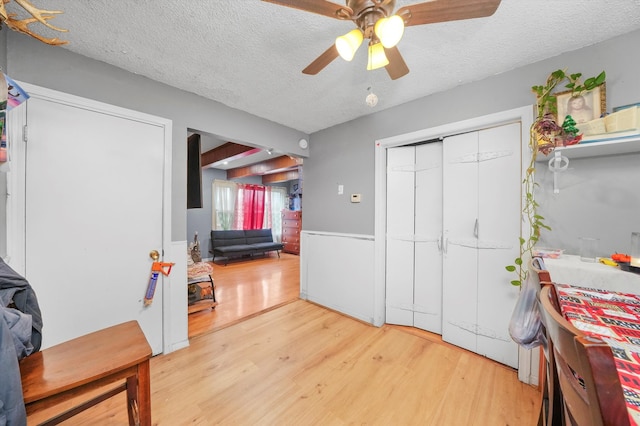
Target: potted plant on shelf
(545, 135)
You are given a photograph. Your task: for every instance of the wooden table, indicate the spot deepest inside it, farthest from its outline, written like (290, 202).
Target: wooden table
(613, 317)
(116, 355)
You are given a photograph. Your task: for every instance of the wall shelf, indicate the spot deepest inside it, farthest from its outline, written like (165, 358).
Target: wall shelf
(613, 146)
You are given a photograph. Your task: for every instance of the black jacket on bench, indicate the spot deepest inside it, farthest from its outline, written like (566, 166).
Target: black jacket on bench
(20, 336)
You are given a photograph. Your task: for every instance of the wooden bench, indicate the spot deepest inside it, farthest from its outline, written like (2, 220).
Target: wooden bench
(116, 354)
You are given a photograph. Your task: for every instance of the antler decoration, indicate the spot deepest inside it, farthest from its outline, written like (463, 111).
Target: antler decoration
(22, 25)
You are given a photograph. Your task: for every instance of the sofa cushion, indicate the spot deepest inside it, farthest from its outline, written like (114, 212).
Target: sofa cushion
(244, 248)
(228, 238)
(267, 246)
(258, 236)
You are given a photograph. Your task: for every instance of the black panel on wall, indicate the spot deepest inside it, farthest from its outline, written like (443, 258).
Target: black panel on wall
(194, 173)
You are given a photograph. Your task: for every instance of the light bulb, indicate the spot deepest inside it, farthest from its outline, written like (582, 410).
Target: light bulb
(389, 30)
(377, 58)
(348, 44)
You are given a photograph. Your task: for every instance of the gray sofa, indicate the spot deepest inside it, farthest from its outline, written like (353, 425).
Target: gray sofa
(240, 243)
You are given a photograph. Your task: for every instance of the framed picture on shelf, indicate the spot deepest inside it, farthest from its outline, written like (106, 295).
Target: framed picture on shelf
(585, 107)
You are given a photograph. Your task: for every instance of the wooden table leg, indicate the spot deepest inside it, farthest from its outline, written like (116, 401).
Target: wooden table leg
(139, 396)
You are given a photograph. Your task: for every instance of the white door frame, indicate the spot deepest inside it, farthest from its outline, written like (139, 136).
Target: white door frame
(524, 115)
(16, 184)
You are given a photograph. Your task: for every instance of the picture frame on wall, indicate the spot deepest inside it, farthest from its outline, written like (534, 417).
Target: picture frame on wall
(587, 106)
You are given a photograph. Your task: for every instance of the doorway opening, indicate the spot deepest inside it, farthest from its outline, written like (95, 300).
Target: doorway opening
(244, 287)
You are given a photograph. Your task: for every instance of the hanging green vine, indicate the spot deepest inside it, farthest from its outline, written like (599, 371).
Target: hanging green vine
(543, 136)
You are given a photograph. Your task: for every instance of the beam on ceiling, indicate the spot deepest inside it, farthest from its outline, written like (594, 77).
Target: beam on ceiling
(274, 165)
(280, 177)
(228, 152)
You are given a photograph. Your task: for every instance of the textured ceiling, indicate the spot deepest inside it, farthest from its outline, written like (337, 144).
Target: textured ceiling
(248, 54)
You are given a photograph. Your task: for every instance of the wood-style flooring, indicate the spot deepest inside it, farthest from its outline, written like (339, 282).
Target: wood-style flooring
(245, 288)
(302, 364)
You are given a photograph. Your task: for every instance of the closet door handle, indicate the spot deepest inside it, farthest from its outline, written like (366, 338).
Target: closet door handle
(445, 245)
(475, 229)
(440, 243)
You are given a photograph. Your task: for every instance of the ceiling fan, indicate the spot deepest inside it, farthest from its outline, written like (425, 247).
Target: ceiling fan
(376, 21)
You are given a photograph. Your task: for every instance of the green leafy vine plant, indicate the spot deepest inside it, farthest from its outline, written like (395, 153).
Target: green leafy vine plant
(543, 136)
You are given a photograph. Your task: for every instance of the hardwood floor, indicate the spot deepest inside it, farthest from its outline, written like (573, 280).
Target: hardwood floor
(302, 364)
(245, 288)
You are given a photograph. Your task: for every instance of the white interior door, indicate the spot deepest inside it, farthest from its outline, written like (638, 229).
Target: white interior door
(400, 235)
(481, 227)
(427, 296)
(414, 229)
(460, 259)
(499, 226)
(94, 211)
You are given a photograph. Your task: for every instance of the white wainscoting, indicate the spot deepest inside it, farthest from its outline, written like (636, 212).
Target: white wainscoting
(529, 365)
(336, 271)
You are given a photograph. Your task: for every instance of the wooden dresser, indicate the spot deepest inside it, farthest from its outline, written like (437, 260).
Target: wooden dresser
(291, 226)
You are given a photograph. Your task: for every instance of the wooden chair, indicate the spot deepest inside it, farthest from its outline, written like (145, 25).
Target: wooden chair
(551, 413)
(591, 390)
(116, 357)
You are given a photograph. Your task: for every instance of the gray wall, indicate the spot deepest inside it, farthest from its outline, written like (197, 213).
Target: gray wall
(31, 61)
(344, 154)
(3, 49)
(591, 204)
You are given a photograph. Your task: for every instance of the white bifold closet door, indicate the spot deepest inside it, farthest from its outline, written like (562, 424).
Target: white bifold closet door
(481, 212)
(453, 222)
(414, 230)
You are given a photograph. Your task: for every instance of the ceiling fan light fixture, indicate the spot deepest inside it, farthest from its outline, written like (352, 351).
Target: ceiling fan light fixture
(389, 30)
(377, 58)
(348, 44)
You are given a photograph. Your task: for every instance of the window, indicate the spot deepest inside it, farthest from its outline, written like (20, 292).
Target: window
(242, 206)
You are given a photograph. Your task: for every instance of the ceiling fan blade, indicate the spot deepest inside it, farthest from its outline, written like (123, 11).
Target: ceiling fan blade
(326, 8)
(397, 66)
(446, 10)
(322, 61)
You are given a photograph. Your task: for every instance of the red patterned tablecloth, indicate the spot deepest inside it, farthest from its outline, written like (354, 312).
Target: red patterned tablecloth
(614, 318)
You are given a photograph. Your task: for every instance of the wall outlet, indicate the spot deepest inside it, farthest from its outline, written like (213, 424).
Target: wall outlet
(355, 198)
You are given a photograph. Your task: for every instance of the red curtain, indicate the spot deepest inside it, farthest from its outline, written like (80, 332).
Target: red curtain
(251, 203)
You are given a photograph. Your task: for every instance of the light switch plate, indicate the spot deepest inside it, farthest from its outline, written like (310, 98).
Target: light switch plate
(355, 198)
